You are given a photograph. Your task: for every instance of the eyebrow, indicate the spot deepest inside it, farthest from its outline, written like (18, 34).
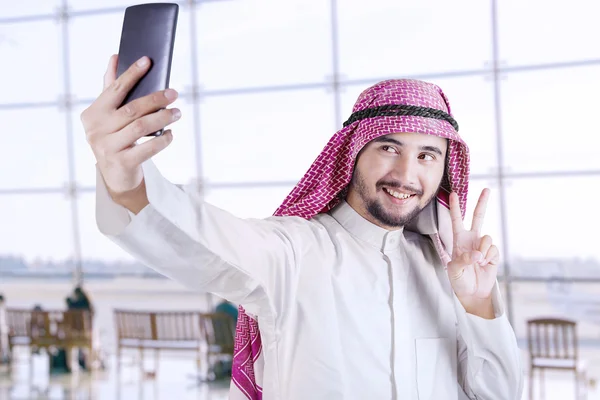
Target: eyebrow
(385, 139)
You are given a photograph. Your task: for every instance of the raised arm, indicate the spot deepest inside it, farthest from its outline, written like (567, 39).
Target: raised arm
(171, 230)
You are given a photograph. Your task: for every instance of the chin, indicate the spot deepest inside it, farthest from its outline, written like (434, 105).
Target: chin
(392, 216)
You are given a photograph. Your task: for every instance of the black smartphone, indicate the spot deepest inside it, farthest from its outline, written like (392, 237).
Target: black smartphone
(148, 30)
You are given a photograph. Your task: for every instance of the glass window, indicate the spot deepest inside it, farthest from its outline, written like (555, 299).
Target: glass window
(391, 38)
(80, 5)
(538, 31)
(176, 162)
(574, 301)
(264, 136)
(90, 52)
(36, 230)
(32, 72)
(547, 231)
(15, 9)
(472, 103)
(28, 8)
(263, 42)
(33, 148)
(260, 202)
(548, 122)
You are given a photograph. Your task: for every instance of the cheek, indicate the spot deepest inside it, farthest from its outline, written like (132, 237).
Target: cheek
(431, 179)
(379, 168)
(371, 171)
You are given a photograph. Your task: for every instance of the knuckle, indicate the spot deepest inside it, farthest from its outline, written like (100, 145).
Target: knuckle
(83, 117)
(167, 116)
(138, 126)
(91, 138)
(116, 85)
(157, 98)
(155, 145)
(130, 110)
(86, 118)
(101, 153)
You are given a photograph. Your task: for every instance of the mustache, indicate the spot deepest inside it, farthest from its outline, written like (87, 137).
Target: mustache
(398, 185)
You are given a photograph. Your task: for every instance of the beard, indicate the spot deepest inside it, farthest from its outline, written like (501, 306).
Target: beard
(377, 210)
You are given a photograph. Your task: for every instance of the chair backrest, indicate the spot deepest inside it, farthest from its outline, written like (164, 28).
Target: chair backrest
(552, 338)
(177, 325)
(17, 321)
(219, 330)
(47, 327)
(60, 326)
(166, 325)
(77, 325)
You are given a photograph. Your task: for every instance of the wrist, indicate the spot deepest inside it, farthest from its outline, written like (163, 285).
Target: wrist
(134, 200)
(481, 307)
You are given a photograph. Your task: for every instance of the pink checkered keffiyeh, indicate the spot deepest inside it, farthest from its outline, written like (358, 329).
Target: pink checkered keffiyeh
(331, 172)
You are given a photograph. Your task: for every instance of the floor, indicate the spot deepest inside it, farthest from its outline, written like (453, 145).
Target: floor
(175, 376)
(174, 379)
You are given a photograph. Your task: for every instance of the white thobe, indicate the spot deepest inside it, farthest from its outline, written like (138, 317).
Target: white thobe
(346, 309)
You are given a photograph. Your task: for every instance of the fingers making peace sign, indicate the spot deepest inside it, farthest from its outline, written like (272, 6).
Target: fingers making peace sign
(474, 265)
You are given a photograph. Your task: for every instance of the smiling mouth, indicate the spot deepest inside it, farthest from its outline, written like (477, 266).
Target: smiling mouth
(398, 195)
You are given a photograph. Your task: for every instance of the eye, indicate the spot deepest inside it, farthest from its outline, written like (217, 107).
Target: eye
(427, 157)
(388, 149)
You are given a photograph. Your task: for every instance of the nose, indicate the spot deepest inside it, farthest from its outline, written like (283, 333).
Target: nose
(405, 170)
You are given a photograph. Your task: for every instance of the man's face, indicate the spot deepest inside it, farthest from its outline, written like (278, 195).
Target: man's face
(396, 176)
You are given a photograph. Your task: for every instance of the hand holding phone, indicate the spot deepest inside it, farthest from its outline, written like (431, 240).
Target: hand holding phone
(148, 30)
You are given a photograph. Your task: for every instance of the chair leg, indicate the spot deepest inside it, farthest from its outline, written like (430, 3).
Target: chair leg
(542, 385)
(142, 361)
(118, 360)
(156, 354)
(581, 380)
(531, 383)
(577, 383)
(199, 363)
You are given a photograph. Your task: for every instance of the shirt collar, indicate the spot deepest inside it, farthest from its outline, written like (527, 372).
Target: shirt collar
(365, 230)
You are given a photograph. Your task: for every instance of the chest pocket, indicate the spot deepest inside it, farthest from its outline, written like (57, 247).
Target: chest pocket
(436, 369)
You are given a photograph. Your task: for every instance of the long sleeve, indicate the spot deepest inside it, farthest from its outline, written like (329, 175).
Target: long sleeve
(247, 261)
(489, 361)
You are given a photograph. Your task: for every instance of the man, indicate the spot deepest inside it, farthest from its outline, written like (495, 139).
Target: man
(364, 285)
(226, 307)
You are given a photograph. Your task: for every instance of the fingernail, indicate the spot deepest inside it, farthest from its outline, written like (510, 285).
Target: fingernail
(170, 94)
(142, 62)
(176, 114)
(477, 256)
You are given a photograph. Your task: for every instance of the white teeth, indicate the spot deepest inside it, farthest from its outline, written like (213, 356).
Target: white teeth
(401, 196)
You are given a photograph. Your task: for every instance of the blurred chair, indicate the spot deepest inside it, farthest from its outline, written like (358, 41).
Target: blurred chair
(166, 330)
(553, 345)
(17, 323)
(50, 330)
(68, 330)
(218, 330)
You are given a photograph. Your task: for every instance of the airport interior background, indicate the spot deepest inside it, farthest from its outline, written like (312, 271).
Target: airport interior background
(263, 85)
